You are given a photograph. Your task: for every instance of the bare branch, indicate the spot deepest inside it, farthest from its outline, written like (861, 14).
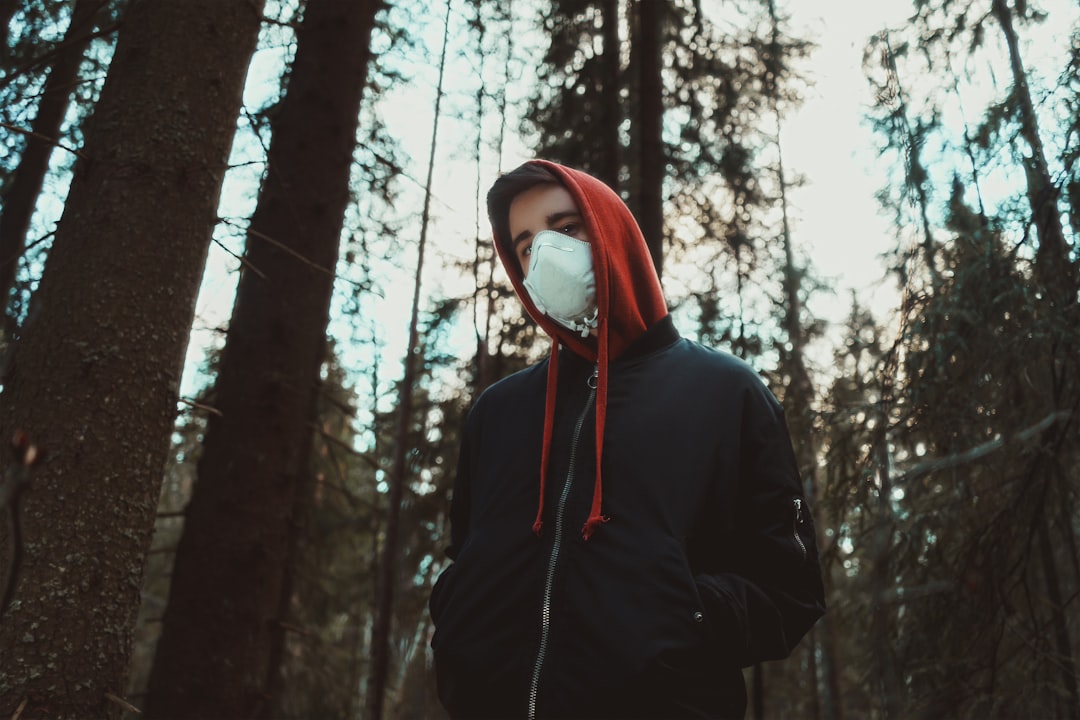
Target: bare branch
(981, 450)
(44, 138)
(240, 259)
(128, 707)
(200, 406)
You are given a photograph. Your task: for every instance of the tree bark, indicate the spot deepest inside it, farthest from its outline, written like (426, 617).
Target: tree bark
(20, 197)
(224, 612)
(95, 375)
(650, 181)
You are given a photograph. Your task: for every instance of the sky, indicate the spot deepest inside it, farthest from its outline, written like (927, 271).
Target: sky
(837, 222)
(829, 141)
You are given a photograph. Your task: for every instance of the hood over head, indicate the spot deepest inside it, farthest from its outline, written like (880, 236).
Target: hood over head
(628, 295)
(628, 291)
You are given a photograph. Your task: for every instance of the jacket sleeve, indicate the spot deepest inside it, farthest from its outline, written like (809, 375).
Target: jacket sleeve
(460, 502)
(761, 582)
(461, 496)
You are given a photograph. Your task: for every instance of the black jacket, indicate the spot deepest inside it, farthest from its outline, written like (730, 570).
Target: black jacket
(708, 563)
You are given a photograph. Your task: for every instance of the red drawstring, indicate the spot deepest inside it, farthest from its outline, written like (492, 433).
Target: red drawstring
(596, 518)
(549, 424)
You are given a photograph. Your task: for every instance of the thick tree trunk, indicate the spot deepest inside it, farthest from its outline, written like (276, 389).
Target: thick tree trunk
(96, 373)
(650, 181)
(215, 651)
(20, 197)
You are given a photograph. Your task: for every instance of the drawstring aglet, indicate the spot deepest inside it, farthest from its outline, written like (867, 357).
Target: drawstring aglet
(592, 524)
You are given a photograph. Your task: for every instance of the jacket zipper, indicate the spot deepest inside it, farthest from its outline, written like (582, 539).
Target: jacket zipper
(795, 528)
(549, 581)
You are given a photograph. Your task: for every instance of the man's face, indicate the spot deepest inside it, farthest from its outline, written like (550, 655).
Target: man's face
(542, 207)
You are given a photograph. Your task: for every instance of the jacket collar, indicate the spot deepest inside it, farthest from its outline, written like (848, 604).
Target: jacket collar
(662, 334)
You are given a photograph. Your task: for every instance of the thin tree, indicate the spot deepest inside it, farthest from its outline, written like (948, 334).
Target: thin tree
(20, 196)
(610, 89)
(800, 391)
(910, 140)
(1052, 256)
(399, 472)
(577, 106)
(95, 374)
(1058, 275)
(7, 12)
(216, 656)
(649, 203)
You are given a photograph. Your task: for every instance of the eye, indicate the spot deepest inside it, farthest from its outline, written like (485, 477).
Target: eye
(570, 229)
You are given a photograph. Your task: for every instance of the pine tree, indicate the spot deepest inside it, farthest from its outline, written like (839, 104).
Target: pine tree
(216, 655)
(978, 448)
(94, 375)
(19, 197)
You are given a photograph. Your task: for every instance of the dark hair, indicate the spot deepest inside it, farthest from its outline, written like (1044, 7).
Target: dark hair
(509, 186)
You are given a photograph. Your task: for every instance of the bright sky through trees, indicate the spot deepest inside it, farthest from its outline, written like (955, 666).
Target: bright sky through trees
(837, 222)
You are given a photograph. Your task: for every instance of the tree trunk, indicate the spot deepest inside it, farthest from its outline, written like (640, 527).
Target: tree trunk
(20, 197)
(1058, 275)
(800, 393)
(1059, 626)
(882, 620)
(1052, 257)
(388, 568)
(224, 612)
(650, 181)
(916, 176)
(95, 376)
(609, 92)
(7, 11)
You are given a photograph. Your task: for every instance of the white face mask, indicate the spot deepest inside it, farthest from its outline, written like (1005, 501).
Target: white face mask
(561, 282)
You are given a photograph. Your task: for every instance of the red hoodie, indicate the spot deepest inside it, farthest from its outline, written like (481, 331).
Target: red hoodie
(628, 296)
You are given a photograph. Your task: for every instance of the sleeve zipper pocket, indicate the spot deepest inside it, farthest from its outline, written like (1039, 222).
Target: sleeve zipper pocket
(796, 522)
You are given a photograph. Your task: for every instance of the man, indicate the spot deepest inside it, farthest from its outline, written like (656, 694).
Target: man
(628, 526)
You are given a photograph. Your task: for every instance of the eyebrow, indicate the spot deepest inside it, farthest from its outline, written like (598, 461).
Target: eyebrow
(551, 220)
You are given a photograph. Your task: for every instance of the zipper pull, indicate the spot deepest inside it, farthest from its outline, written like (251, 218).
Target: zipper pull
(594, 378)
(795, 529)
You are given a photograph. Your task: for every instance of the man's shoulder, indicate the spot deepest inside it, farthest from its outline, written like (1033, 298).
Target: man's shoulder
(715, 360)
(721, 371)
(513, 385)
